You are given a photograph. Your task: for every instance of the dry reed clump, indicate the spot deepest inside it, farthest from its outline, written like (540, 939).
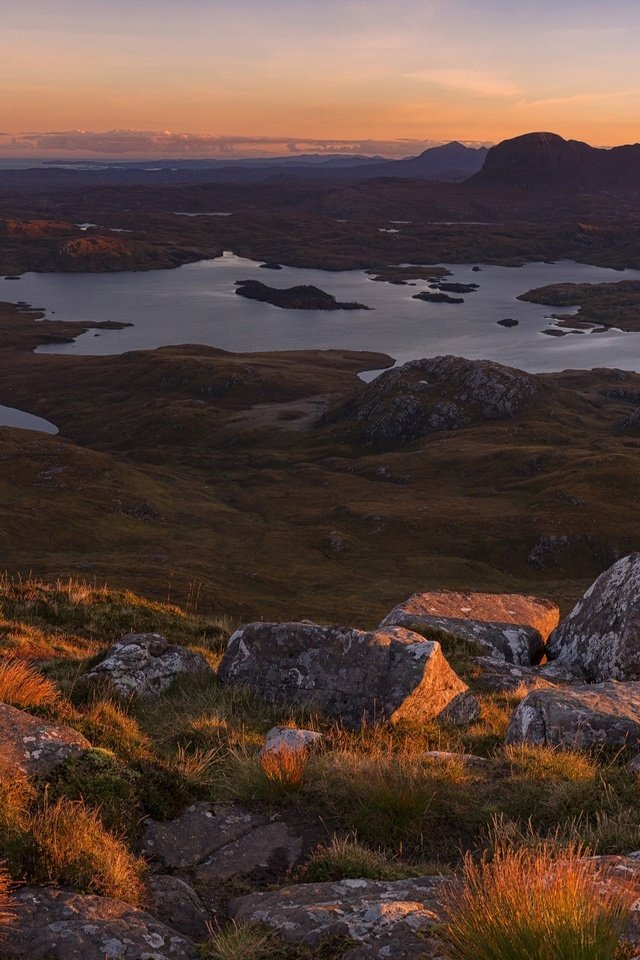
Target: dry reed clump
(528, 904)
(21, 685)
(6, 913)
(73, 847)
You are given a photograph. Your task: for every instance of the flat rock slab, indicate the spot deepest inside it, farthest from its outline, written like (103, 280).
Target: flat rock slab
(217, 842)
(601, 635)
(384, 918)
(498, 676)
(53, 924)
(579, 717)
(508, 626)
(143, 665)
(176, 904)
(33, 747)
(348, 674)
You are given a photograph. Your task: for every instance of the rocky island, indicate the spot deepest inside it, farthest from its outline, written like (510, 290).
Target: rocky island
(303, 297)
(601, 304)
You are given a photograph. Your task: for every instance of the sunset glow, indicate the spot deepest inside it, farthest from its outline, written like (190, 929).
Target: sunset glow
(354, 75)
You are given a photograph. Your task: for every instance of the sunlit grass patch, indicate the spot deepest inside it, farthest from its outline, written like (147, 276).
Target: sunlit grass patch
(526, 904)
(21, 685)
(346, 858)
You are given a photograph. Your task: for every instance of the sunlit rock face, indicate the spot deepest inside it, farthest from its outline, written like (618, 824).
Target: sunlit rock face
(504, 626)
(427, 396)
(355, 676)
(601, 635)
(33, 747)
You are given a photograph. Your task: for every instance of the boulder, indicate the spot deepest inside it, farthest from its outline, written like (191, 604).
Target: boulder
(176, 904)
(507, 626)
(498, 676)
(427, 396)
(579, 717)
(54, 924)
(601, 635)
(33, 747)
(216, 842)
(386, 919)
(290, 740)
(348, 674)
(143, 665)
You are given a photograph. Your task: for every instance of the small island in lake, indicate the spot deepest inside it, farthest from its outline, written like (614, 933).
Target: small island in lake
(601, 304)
(431, 297)
(304, 297)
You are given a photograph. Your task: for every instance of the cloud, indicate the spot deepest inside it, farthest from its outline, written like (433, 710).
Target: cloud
(128, 144)
(576, 98)
(478, 83)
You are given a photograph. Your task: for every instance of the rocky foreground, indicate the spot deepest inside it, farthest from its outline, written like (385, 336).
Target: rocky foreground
(152, 792)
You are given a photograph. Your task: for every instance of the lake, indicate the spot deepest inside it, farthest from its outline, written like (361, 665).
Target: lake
(10, 417)
(196, 303)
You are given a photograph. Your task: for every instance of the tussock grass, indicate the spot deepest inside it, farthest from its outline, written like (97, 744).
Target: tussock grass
(74, 848)
(6, 913)
(346, 858)
(243, 941)
(285, 766)
(21, 685)
(525, 904)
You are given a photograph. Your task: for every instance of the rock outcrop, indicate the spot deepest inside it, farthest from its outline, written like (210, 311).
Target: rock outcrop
(53, 924)
(426, 396)
(507, 626)
(349, 674)
(578, 717)
(386, 919)
(33, 747)
(143, 665)
(214, 842)
(175, 903)
(601, 635)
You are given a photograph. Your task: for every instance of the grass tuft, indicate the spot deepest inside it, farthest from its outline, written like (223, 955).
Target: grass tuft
(21, 685)
(525, 904)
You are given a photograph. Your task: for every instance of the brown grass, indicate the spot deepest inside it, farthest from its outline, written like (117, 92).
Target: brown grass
(6, 913)
(285, 766)
(75, 849)
(525, 904)
(21, 685)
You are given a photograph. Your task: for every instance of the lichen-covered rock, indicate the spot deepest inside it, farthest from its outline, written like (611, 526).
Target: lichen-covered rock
(508, 626)
(290, 740)
(386, 919)
(601, 635)
(53, 924)
(33, 747)
(579, 717)
(426, 396)
(349, 674)
(498, 676)
(214, 842)
(143, 665)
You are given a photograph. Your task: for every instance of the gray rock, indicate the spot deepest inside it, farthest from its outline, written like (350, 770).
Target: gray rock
(357, 677)
(33, 747)
(497, 676)
(426, 396)
(221, 841)
(601, 635)
(508, 626)
(53, 924)
(386, 919)
(290, 740)
(579, 717)
(177, 905)
(143, 665)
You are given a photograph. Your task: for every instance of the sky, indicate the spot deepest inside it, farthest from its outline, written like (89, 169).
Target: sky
(233, 78)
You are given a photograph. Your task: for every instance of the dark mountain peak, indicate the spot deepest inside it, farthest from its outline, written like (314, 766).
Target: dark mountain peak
(545, 160)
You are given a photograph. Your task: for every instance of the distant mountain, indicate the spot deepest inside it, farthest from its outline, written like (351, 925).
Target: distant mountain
(547, 161)
(451, 161)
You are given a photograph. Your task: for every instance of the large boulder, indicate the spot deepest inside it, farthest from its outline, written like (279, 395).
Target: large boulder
(601, 635)
(54, 924)
(143, 665)
(506, 626)
(33, 747)
(426, 396)
(578, 717)
(349, 674)
(386, 919)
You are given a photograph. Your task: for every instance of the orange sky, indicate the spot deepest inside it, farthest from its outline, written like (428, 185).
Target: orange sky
(339, 69)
